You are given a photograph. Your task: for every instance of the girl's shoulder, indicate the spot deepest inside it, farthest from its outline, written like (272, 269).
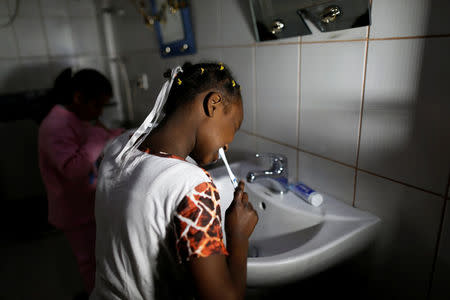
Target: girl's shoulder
(170, 169)
(177, 171)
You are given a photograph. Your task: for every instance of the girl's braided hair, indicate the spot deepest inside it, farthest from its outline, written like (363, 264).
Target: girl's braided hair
(198, 78)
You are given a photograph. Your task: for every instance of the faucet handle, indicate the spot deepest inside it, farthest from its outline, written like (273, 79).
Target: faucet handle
(279, 162)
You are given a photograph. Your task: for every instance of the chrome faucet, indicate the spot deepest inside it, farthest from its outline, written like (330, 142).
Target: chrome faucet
(277, 175)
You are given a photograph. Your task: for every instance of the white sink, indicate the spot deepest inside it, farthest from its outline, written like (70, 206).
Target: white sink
(294, 240)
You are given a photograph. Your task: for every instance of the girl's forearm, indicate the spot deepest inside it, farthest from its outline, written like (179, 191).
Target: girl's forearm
(237, 263)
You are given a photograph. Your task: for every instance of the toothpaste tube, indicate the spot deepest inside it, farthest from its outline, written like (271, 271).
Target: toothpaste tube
(306, 193)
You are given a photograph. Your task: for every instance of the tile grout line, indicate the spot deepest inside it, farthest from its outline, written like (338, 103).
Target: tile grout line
(155, 50)
(77, 55)
(57, 57)
(16, 39)
(438, 241)
(254, 89)
(219, 14)
(429, 36)
(335, 41)
(296, 148)
(44, 30)
(341, 163)
(361, 111)
(263, 44)
(297, 128)
(400, 182)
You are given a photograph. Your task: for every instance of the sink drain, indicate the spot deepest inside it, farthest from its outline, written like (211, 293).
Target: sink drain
(262, 205)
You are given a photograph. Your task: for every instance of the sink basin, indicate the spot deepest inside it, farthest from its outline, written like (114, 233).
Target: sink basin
(293, 239)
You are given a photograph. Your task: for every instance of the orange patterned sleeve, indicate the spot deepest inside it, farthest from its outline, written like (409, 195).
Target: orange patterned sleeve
(198, 227)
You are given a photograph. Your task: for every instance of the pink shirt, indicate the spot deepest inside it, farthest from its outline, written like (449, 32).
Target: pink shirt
(68, 150)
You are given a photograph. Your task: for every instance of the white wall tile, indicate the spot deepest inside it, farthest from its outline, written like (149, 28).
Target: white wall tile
(264, 146)
(235, 23)
(140, 63)
(241, 63)
(204, 54)
(10, 81)
(85, 35)
(57, 65)
(59, 34)
(54, 8)
(277, 92)
(51, 68)
(291, 40)
(406, 241)
(346, 34)
(36, 73)
(326, 176)
(27, 8)
(205, 19)
(128, 7)
(8, 48)
(441, 277)
(330, 98)
(409, 18)
(4, 10)
(30, 35)
(81, 8)
(93, 62)
(244, 142)
(28, 74)
(242, 147)
(154, 66)
(405, 123)
(132, 34)
(171, 62)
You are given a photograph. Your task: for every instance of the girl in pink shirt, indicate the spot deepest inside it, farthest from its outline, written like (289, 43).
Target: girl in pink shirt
(69, 152)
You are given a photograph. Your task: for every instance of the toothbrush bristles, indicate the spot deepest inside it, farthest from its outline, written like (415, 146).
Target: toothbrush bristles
(230, 173)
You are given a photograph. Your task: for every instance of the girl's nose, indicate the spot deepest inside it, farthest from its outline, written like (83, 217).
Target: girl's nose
(225, 148)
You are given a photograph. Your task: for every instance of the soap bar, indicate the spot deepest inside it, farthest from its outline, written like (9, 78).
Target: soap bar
(306, 193)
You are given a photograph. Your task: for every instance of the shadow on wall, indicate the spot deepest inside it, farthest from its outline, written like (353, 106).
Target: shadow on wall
(23, 94)
(22, 107)
(408, 127)
(244, 6)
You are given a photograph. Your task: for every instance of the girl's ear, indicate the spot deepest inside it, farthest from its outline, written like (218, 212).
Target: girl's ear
(211, 103)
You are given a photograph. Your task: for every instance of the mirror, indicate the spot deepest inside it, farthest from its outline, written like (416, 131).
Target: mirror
(172, 22)
(278, 19)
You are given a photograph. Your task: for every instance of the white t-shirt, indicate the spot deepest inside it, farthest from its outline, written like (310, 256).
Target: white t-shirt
(155, 212)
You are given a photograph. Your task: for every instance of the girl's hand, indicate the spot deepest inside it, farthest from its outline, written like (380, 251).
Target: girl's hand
(240, 217)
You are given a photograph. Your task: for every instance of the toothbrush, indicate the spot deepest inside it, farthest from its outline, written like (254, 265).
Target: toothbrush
(230, 173)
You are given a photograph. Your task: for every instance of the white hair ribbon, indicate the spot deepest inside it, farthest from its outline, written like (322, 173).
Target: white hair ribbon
(149, 122)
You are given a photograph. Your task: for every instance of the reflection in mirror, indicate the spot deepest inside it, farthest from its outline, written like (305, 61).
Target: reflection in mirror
(172, 22)
(171, 25)
(275, 19)
(338, 15)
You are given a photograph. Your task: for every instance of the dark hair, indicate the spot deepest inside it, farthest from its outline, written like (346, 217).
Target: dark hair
(90, 83)
(198, 78)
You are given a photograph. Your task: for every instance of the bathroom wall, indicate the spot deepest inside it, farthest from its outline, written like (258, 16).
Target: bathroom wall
(362, 115)
(46, 37)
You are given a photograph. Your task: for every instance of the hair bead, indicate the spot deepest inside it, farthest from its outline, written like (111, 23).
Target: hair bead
(200, 77)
